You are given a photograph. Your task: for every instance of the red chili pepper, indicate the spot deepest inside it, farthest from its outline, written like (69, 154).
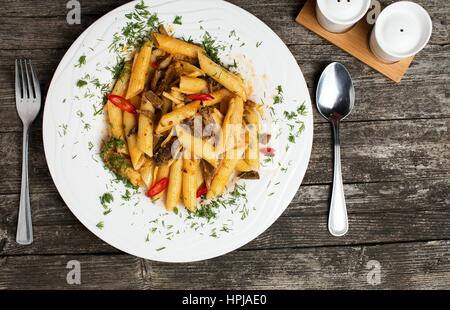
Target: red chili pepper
(122, 103)
(202, 190)
(268, 151)
(201, 97)
(159, 186)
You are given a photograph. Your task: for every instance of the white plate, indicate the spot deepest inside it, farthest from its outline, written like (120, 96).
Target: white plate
(138, 226)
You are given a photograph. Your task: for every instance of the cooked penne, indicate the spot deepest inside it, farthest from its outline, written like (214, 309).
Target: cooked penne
(115, 114)
(243, 166)
(175, 117)
(190, 167)
(232, 124)
(251, 137)
(175, 46)
(161, 173)
(145, 126)
(188, 69)
(146, 172)
(192, 85)
(199, 179)
(224, 172)
(175, 183)
(140, 71)
(197, 146)
(130, 127)
(231, 81)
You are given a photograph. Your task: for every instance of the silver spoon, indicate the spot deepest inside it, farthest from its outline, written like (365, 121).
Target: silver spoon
(335, 99)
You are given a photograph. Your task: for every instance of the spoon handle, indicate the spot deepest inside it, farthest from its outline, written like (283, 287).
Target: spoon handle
(337, 220)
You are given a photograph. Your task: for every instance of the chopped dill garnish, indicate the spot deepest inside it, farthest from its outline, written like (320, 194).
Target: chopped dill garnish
(106, 199)
(212, 48)
(81, 83)
(127, 195)
(81, 61)
(100, 225)
(278, 98)
(258, 44)
(178, 20)
(140, 23)
(118, 69)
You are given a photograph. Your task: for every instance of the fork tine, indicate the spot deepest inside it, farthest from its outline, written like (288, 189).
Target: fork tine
(37, 87)
(24, 85)
(18, 86)
(29, 78)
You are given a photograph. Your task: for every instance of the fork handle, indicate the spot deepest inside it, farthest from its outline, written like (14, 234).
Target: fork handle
(24, 234)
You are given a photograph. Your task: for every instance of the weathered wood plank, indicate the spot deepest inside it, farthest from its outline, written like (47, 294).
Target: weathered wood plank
(279, 15)
(371, 152)
(378, 212)
(403, 266)
(114, 272)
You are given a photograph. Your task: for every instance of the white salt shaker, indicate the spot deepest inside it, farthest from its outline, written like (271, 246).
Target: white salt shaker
(401, 30)
(340, 15)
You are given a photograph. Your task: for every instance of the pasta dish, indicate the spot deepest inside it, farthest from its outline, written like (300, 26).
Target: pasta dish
(180, 124)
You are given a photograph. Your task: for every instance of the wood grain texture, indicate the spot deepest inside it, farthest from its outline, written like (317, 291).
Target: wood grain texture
(396, 165)
(414, 265)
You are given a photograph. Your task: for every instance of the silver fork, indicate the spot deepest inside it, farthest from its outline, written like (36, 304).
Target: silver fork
(28, 104)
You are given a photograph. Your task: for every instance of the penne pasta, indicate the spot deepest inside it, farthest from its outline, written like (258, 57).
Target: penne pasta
(130, 127)
(243, 166)
(145, 127)
(188, 69)
(190, 166)
(251, 139)
(146, 172)
(224, 172)
(231, 81)
(161, 173)
(175, 46)
(140, 71)
(197, 146)
(199, 179)
(232, 125)
(115, 114)
(175, 183)
(175, 117)
(192, 85)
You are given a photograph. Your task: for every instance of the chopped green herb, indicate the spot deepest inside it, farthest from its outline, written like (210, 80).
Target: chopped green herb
(81, 83)
(127, 195)
(100, 225)
(81, 61)
(212, 48)
(106, 199)
(161, 248)
(278, 98)
(178, 20)
(90, 145)
(258, 44)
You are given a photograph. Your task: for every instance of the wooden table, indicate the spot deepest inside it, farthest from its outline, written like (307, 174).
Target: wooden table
(396, 167)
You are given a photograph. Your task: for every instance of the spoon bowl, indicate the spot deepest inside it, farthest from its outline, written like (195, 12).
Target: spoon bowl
(335, 96)
(335, 99)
